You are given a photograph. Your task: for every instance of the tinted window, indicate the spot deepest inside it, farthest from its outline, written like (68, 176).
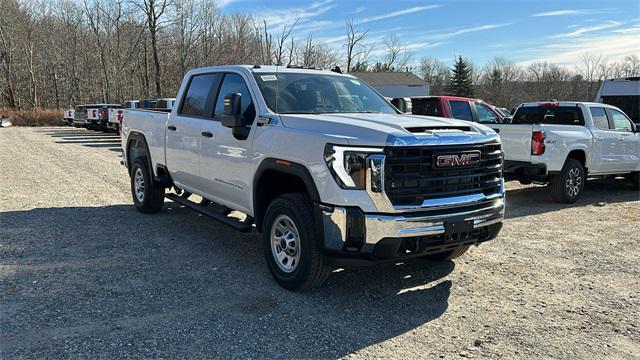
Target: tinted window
(558, 115)
(620, 122)
(197, 96)
(232, 84)
(430, 107)
(461, 110)
(486, 115)
(303, 93)
(599, 116)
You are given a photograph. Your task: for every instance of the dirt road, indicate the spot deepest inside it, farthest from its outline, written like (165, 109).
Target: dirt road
(83, 274)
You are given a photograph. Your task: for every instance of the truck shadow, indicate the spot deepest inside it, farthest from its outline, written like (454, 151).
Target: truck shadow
(173, 278)
(534, 199)
(84, 137)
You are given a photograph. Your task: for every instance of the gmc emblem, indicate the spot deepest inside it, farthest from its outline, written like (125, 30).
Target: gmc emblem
(454, 160)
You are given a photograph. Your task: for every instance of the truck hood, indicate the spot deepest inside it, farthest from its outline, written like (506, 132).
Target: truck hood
(390, 129)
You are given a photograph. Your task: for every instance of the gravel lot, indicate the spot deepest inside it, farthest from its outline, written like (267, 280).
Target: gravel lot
(83, 274)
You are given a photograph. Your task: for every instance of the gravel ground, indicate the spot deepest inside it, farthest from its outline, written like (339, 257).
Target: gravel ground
(83, 274)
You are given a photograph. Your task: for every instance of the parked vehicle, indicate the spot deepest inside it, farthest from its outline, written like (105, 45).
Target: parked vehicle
(457, 108)
(623, 93)
(67, 117)
(114, 120)
(563, 143)
(324, 167)
(98, 116)
(80, 116)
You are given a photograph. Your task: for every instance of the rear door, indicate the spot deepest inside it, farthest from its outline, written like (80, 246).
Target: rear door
(606, 145)
(224, 159)
(185, 128)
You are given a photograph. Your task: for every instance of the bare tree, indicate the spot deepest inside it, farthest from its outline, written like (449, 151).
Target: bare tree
(590, 68)
(356, 48)
(154, 10)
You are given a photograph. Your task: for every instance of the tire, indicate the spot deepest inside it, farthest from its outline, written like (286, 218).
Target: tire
(301, 266)
(634, 178)
(567, 186)
(148, 196)
(448, 255)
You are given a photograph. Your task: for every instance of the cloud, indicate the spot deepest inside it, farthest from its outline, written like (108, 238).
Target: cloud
(407, 11)
(613, 47)
(223, 3)
(573, 12)
(449, 33)
(585, 30)
(277, 19)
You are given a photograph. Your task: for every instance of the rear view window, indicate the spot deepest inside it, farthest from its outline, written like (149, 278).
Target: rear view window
(429, 107)
(554, 115)
(461, 110)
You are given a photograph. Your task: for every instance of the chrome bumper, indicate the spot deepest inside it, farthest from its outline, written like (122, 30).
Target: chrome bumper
(378, 226)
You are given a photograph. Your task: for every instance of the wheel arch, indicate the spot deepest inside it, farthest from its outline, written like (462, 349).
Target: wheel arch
(137, 146)
(280, 177)
(579, 154)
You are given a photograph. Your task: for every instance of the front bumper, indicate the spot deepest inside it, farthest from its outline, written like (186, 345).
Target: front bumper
(352, 237)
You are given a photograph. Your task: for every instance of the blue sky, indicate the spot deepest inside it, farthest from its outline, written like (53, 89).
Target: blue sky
(523, 31)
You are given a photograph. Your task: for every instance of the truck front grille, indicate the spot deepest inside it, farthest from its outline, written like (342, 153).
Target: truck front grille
(411, 174)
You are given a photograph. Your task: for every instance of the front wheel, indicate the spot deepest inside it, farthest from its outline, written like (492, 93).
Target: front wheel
(567, 186)
(148, 196)
(290, 243)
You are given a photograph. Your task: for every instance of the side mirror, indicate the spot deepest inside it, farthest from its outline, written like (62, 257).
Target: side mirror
(232, 113)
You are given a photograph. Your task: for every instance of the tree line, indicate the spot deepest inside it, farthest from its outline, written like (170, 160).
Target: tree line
(56, 54)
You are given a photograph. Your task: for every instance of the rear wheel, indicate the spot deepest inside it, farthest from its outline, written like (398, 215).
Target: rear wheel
(448, 255)
(567, 186)
(148, 196)
(290, 243)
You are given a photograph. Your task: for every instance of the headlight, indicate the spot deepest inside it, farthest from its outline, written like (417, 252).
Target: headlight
(348, 164)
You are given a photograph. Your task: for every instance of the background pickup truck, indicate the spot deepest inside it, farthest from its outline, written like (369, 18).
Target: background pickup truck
(562, 143)
(457, 108)
(323, 166)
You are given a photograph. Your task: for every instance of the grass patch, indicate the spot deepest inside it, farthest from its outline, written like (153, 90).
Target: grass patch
(43, 117)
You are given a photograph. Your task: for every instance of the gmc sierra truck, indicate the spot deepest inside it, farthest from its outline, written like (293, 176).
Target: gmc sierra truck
(323, 166)
(563, 143)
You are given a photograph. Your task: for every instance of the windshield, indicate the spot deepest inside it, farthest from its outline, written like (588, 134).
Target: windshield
(303, 93)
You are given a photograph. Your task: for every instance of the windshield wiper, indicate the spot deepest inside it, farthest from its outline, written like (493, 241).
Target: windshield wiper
(300, 112)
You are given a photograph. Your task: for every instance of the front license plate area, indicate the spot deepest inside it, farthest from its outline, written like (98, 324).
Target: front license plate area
(457, 231)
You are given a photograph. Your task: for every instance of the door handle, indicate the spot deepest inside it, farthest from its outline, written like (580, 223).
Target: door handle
(171, 127)
(207, 134)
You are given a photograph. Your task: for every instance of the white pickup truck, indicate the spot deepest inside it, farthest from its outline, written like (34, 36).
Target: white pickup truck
(321, 164)
(563, 143)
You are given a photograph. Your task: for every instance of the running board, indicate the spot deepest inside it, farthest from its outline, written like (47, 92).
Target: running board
(233, 222)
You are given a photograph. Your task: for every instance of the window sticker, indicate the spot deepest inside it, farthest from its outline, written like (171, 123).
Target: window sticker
(268, 78)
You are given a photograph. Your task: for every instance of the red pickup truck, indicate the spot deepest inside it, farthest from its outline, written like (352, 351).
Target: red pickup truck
(457, 108)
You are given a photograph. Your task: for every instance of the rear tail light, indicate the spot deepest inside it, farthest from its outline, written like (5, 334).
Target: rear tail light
(537, 143)
(94, 113)
(105, 113)
(550, 104)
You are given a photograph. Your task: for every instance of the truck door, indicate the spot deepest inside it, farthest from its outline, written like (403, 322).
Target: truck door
(607, 143)
(224, 160)
(184, 131)
(629, 156)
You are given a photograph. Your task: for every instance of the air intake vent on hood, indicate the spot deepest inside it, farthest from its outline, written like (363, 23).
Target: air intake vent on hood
(443, 128)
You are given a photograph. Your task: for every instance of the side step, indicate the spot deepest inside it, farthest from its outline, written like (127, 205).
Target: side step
(234, 223)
